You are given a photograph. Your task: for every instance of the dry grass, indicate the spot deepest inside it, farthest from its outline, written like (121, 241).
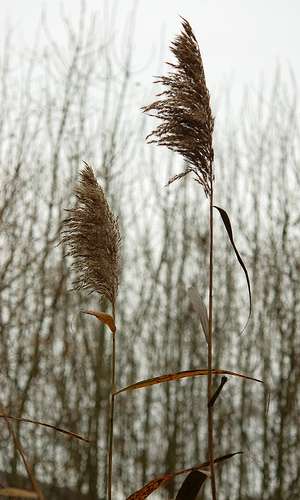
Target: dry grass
(187, 128)
(92, 237)
(184, 109)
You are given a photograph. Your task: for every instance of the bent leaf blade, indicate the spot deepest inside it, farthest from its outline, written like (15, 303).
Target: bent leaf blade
(104, 318)
(170, 377)
(227, 224)
(191, 486)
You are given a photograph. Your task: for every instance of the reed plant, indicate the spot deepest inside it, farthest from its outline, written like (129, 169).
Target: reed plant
(91, 234)
(186, 127)
(49, 353)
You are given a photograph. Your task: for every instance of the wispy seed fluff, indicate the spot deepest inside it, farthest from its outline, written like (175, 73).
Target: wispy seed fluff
(92, 236)
(184, 109)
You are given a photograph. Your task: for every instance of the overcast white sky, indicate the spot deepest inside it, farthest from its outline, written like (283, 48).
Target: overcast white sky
(240, 39)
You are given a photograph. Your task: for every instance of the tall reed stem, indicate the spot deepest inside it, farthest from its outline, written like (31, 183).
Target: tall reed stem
(210, 344)
(112, 410)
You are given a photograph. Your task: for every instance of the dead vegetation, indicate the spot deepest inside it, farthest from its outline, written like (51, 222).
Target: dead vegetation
(56, 364)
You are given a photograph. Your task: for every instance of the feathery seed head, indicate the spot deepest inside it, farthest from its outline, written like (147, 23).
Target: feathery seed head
(184, 109)
(92, 236)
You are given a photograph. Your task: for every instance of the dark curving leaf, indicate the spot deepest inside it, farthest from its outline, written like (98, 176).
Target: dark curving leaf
(191, 486)
(227, 224)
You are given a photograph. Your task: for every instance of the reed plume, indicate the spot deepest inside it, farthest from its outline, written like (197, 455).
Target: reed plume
(184, 109)
(92, 237)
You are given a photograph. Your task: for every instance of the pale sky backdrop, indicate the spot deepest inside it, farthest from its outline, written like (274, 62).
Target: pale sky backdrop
(241, 40)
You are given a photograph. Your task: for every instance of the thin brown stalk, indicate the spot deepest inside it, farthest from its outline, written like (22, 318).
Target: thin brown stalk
(210, 347)
(112, 412)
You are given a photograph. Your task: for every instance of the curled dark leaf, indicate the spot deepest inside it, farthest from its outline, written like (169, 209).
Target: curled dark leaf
(227, 224)
(191, 486)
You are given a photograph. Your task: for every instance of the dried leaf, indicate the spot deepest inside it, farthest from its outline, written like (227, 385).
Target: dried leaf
(191, 485)
(105, 318)
(149, 488)
(154, 484)
(200, 308)
(227, 224)
(16, 492)
(49, 426)
(161, 379)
